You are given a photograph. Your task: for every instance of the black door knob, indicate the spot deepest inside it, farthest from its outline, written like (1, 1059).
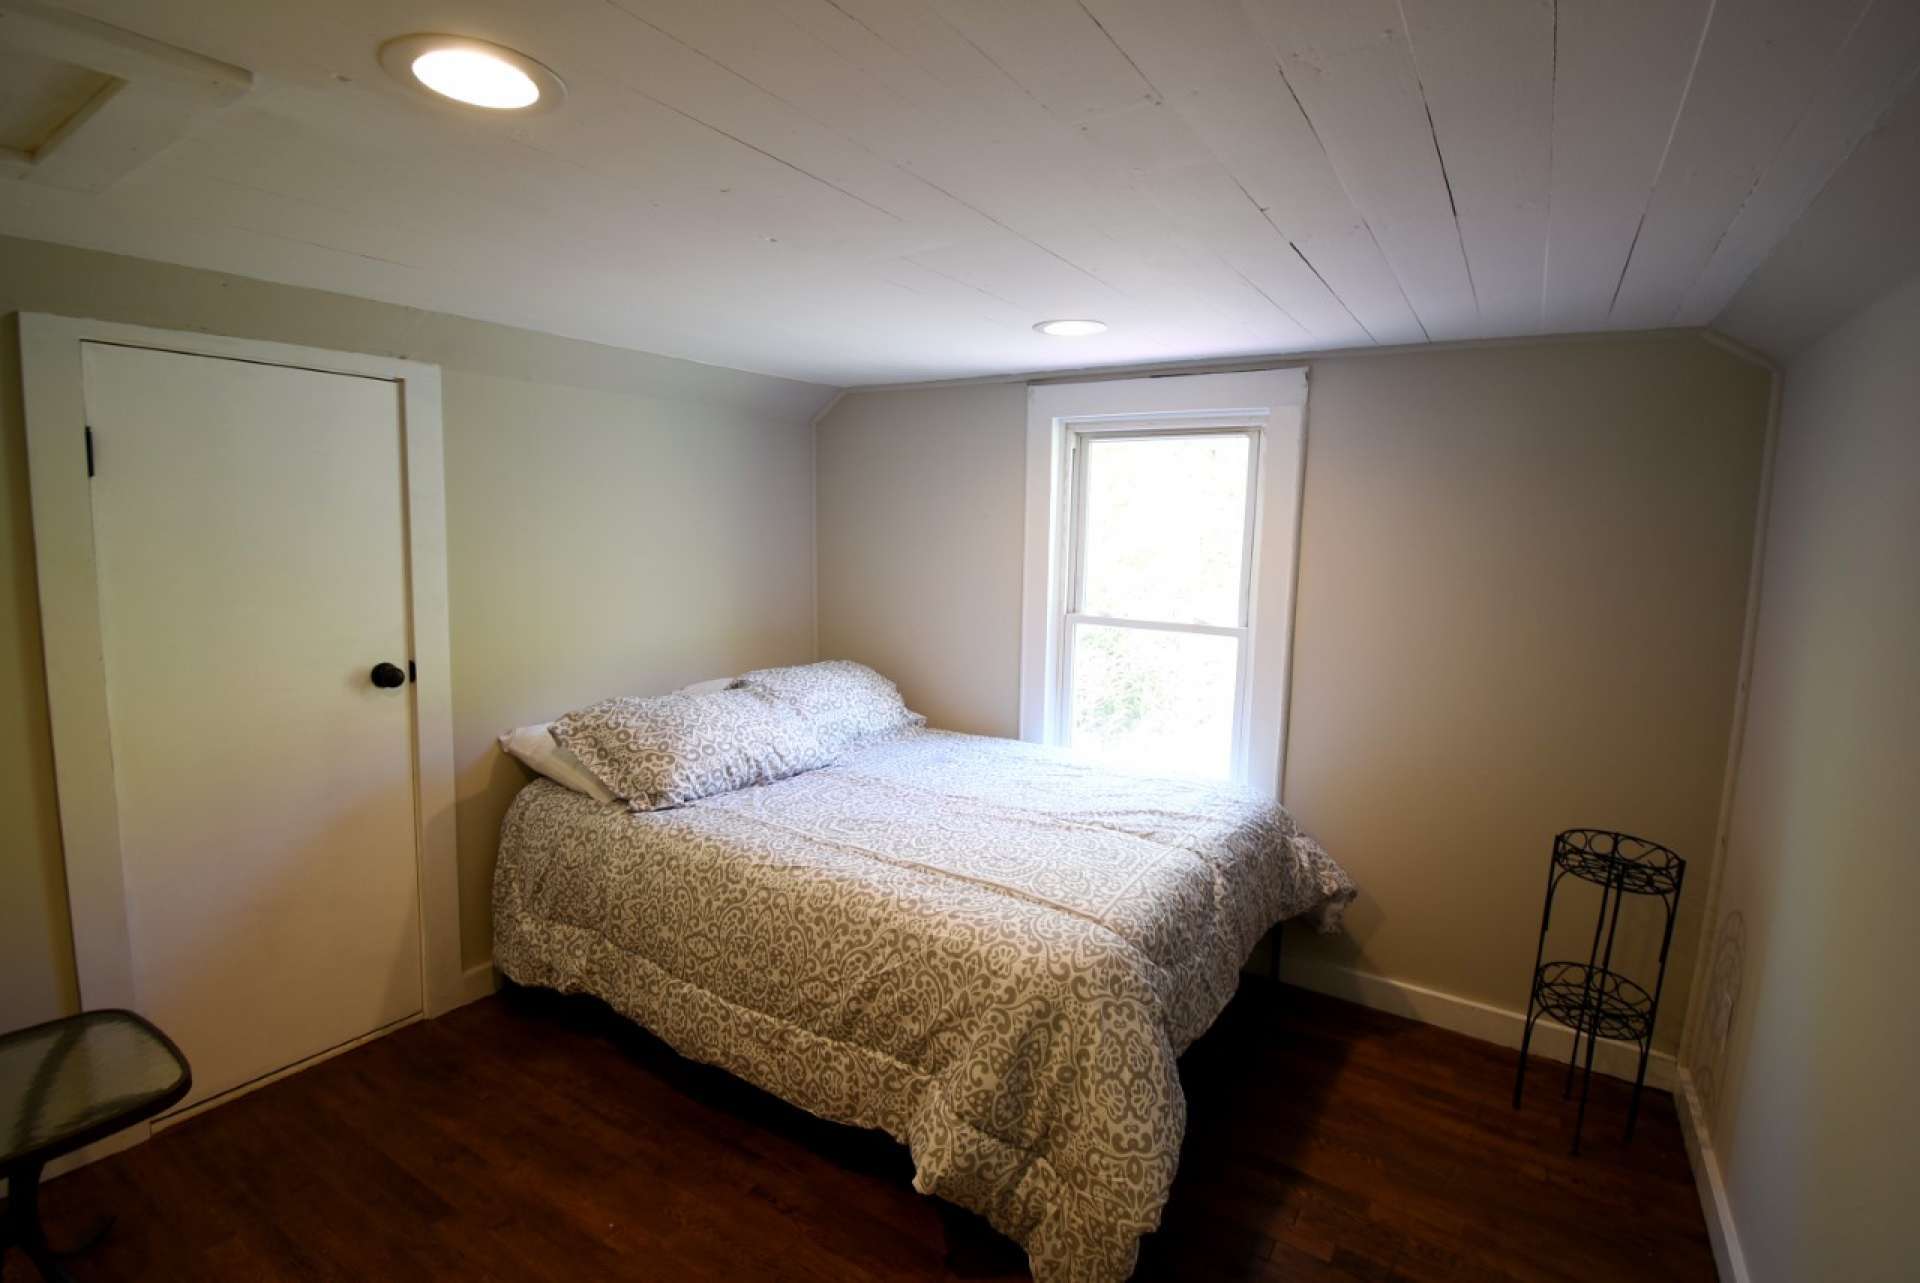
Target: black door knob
(388, 676)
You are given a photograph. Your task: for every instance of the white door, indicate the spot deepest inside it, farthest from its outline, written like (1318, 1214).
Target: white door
(250, 540)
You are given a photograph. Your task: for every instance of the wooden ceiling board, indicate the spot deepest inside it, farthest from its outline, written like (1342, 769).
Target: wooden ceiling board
(1868, 76)
(1758, 68)
(431, 184)
(743, 51)
(1226, 248)
(644, 69)
(1620, 74)
(1056, 51)
(1208, 63)
(1854, 243)
(1485, 68)
(1032, 176)
(1210, 203)
(1348, 63)
(870, 191)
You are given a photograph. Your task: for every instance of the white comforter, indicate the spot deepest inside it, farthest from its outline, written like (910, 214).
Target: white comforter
(988, 950)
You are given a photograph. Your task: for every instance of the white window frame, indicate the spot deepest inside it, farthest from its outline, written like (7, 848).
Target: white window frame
(1080, 436)
(1268, 405)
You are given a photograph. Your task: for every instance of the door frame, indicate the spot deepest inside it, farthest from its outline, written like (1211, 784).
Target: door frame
(53, 383)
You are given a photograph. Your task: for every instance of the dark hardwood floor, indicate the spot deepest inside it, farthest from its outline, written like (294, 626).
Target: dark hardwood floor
(529, 1137)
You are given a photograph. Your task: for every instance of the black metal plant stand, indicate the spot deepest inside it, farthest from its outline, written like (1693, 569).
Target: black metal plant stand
(1591, 998)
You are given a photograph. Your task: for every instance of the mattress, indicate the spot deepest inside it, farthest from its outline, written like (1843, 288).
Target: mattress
(983, 947)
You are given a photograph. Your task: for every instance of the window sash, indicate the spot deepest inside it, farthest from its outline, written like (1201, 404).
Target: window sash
(1073, 616)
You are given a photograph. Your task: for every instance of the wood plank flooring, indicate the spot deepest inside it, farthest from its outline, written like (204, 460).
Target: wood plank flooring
(529, 1137)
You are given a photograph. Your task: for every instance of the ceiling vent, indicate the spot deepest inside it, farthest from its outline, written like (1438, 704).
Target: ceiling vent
(83, 104)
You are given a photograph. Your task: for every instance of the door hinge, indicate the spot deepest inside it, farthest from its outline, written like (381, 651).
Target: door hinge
(89, 451)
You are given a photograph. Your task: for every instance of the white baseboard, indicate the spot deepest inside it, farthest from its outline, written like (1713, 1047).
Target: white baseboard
(1466, 1016)
(477, 982)
(1727, 1256)
(194, 1110)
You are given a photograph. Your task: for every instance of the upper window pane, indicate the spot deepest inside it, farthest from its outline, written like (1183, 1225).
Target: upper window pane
(1165, 528)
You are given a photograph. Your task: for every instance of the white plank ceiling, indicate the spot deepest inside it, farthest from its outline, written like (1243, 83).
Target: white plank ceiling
(870, 191)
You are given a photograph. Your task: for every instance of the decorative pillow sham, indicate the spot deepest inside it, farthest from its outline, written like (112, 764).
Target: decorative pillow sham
(668, 750)
(847, 704)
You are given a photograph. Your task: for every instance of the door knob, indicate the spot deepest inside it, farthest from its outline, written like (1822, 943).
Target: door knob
(387, 676)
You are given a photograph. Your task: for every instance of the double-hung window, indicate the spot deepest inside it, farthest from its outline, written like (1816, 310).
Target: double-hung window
(1157, 618)
(1161, 540)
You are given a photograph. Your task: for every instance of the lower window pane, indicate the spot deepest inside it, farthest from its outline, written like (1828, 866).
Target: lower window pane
(1155, 700)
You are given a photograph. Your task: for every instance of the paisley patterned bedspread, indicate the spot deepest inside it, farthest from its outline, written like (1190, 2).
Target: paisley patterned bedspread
(986, 949)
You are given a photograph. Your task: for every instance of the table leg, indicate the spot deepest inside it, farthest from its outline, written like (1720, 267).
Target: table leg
(23, 1224)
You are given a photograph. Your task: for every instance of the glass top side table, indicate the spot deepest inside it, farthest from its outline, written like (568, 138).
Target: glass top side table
(64, 1085)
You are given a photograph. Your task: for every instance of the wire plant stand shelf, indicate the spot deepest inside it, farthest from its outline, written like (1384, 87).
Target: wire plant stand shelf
(1590, 997)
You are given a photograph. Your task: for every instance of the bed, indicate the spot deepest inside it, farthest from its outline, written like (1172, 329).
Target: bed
(982, 947)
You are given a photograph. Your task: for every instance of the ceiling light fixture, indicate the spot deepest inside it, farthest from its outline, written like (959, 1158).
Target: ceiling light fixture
(1071, 329)
(473, 72)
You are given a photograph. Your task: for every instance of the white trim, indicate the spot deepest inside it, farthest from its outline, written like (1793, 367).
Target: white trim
(252, 1085)
(833, 403)
(1291, 517)
(1728, 1256)
(1082, 436)
(478, 982)
(1158, 625)
(1301, 360)
(1693, 1017)
(50, 356)
(1734, 347)
(1270, 401)
(813, 499)
(1482, 1020)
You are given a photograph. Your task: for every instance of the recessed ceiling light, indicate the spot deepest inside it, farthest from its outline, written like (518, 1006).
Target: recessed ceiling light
(1071, 329)
(469, 76)
(473, 72)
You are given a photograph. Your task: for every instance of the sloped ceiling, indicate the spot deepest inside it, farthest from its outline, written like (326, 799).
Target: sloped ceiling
(868, 191)
(1860, 239)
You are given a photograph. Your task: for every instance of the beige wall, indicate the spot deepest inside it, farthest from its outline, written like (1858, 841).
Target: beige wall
(616, 522)
(921, 520)
(1522, 590)
(1811, 1090)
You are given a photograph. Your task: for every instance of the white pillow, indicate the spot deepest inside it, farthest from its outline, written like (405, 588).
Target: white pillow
(534, 746)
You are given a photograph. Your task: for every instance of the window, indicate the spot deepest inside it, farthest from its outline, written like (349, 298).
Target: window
(1162, 516)
(1157, 616)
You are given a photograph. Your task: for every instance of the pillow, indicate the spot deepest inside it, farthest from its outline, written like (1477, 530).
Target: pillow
(847, 704)
(706, 687)
(668, 750)
(534, 746)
